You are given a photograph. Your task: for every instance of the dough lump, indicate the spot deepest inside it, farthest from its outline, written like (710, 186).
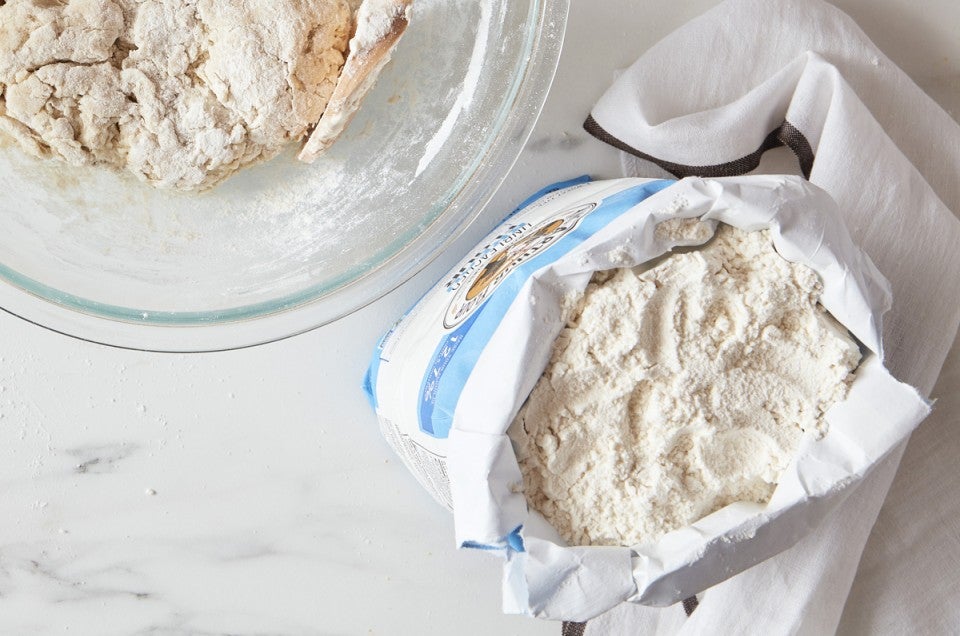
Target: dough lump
(182, 93)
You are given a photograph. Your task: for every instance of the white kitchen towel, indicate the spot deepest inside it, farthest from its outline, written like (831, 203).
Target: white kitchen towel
(710, 100)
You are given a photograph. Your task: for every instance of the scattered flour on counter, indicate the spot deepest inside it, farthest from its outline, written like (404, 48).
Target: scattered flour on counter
(182, 93)
(674, 392)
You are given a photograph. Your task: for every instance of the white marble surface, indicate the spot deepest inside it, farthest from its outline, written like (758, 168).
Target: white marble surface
(250, 492)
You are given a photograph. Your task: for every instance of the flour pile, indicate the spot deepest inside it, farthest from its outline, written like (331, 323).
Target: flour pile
(182, 93)
(674, 392)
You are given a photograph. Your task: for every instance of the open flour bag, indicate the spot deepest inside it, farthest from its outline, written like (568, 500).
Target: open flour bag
(450, 378)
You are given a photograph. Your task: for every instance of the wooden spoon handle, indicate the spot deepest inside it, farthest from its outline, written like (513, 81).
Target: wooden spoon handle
(369, 53)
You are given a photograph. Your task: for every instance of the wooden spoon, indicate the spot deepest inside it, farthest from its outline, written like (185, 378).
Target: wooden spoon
(380, 24)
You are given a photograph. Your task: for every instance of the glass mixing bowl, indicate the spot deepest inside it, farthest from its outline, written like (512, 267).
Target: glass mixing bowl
(284, 247)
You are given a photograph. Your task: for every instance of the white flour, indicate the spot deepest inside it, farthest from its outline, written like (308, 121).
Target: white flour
(374, 20)
(675, 392)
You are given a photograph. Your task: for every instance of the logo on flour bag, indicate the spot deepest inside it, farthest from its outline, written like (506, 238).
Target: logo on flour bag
(483, 272)
(522, 245)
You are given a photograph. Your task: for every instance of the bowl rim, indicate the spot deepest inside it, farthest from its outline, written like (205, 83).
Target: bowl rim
(261, 323)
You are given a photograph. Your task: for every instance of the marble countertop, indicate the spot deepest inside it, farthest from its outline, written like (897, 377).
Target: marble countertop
(250, 492)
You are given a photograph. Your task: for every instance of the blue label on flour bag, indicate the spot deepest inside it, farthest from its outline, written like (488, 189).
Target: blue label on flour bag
(370, 377)
(503, 266)
(430, 388)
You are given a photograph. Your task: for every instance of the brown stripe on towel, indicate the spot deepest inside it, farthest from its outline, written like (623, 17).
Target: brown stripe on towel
(690, 604)
(784, 135)
(573, 629)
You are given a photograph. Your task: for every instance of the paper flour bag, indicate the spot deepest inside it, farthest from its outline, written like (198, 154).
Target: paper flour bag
(451, 376)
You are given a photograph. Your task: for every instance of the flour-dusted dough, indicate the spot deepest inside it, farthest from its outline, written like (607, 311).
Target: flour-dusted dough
(180, 92)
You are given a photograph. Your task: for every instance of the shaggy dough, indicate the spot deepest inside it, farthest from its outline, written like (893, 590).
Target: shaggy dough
(180, 92)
